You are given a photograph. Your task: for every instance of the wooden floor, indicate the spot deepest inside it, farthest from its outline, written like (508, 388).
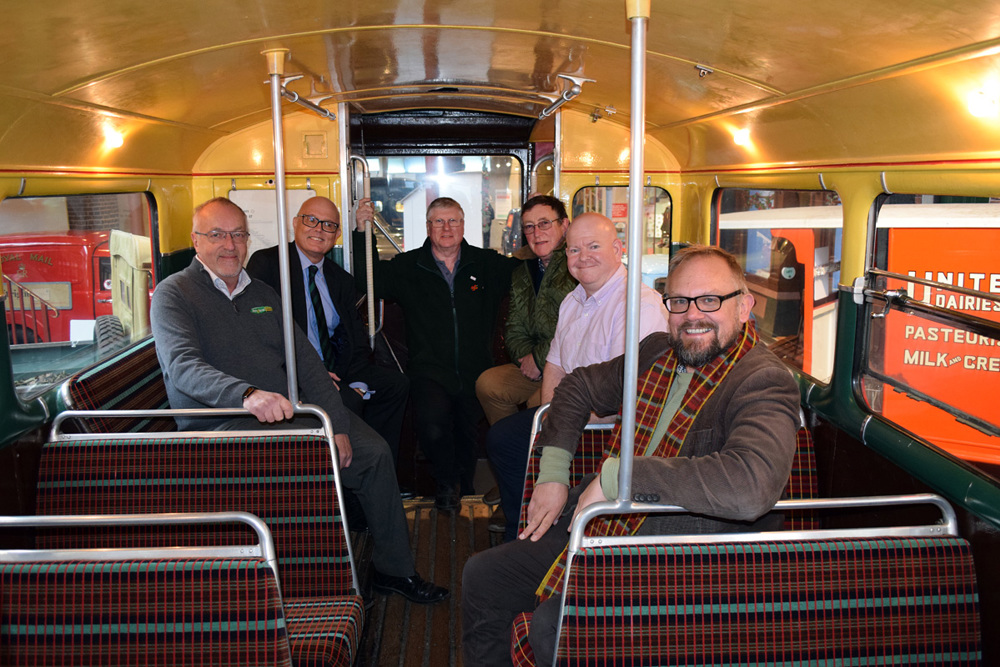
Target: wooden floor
(402, 634)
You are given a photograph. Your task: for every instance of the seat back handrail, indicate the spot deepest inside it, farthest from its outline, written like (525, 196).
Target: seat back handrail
(264, 548)
(57, 435)
(948, 525)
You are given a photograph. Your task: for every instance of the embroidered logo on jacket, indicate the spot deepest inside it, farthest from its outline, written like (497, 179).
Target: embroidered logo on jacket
(260, 310)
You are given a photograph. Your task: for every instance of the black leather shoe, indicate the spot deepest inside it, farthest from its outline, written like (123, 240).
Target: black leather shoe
(492, 497)
(413, 588)
(446, 501)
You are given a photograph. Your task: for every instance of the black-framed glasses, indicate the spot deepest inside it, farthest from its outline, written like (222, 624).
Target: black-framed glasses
(328, 226)
(218, 236)
(529, 228)
(706, 303)
(441, 222)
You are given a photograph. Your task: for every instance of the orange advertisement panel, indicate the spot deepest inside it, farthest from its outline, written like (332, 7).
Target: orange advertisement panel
(945, 362)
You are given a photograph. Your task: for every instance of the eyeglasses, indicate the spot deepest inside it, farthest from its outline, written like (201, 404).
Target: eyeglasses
(329, 226)
(218, 236)
(706, 303)
(529, 228)
(441, 222)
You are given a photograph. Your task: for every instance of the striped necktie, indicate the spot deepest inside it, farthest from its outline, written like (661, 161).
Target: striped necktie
(325, 345)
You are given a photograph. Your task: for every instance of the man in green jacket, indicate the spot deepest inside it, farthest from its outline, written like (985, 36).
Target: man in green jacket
(450, 293)
(538, 286)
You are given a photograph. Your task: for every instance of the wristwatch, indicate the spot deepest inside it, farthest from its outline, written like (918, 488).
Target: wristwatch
(249, 391)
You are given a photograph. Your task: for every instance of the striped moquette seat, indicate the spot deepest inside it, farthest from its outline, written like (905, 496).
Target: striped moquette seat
(150, 613)
(594, 443)
(802, 483)
(858, 601)
(130, 380)
(285, 479)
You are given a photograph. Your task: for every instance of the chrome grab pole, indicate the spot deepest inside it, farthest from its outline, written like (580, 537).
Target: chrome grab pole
(369, 240)
(638, 14)
(276, 68)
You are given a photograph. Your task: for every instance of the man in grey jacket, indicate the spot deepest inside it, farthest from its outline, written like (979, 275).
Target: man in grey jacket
(220, 343)
(716, 422)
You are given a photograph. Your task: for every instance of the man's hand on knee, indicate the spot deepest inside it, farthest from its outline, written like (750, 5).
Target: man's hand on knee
(268, 407)
(344, 450)
(547, 502)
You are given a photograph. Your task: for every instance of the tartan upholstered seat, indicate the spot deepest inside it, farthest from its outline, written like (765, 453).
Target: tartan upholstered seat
(865, 601)
(130, 380)
(589, 454)
(285, 479)
(151, 613)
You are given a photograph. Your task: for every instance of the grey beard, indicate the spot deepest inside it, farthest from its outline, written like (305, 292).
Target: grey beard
(692, 360)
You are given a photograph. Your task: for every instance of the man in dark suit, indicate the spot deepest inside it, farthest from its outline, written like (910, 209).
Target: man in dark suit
(320, 286)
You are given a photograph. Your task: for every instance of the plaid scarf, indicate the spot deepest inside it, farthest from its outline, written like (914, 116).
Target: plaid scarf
(653, 388)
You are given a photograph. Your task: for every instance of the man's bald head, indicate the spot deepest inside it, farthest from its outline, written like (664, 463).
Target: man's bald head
(593, 251)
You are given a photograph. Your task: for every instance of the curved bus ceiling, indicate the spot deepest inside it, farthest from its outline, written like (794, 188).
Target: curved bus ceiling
(814, 83)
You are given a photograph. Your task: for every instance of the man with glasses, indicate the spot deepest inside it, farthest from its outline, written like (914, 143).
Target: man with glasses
(537, 288)
(716, 421)
(324, 304)
(450, 293)
(220, 342)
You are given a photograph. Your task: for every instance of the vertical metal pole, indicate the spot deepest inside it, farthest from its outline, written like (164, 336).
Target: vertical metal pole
(276, 68)
(369, 241)
(346, 174)
(638, 14)
(557, 158)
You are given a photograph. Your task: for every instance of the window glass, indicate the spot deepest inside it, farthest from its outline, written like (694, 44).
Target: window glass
(77, 275)
(612, 201)
(487, 187)
(933, 364)
(789, 244)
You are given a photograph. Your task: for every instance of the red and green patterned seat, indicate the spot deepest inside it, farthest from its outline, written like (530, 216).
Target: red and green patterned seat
(130, 380)
(870, 601)
(285, 479)
(148, 612)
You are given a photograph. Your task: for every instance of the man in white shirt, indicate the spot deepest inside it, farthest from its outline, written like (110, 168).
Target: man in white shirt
(590, 329)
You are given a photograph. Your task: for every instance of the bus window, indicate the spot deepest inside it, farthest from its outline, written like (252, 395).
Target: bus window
(933, 370)
(77, 275)
(487, 187)
(789, 243)
(612, 201)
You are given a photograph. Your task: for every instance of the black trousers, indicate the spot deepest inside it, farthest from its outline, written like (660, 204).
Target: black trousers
(500, 583)
(384, 410)
(447, 428)
(372, 479)
(507, 444)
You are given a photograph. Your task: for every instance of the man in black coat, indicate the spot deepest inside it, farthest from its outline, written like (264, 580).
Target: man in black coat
(377, 394)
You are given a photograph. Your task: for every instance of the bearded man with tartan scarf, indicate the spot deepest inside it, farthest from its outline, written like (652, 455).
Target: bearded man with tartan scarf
(716, 420)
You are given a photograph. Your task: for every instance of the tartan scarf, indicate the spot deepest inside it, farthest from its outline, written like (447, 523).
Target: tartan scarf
(653, 388)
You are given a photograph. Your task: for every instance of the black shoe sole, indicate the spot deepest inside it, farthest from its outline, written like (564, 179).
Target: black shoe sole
(390, 591)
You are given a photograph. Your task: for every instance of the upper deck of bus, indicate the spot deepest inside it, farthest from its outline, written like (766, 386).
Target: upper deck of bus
(884, 116)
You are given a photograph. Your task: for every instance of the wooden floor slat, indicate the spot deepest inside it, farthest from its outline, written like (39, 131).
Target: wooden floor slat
(401, 634)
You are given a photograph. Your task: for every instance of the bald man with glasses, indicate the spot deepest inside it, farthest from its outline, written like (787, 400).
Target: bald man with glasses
(324, 305)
